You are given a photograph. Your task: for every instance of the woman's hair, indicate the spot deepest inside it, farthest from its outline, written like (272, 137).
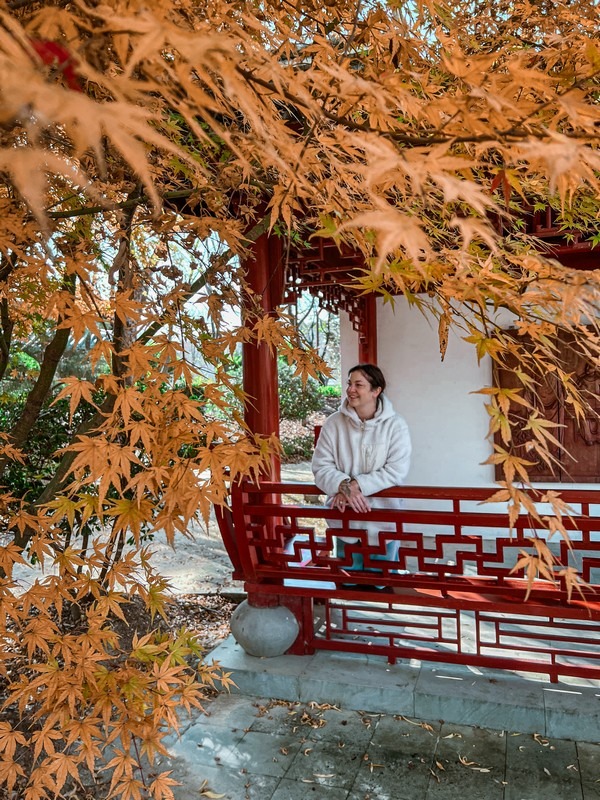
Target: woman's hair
(374, 375)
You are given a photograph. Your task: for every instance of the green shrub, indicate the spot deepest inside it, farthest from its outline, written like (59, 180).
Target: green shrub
(334, 390)
(52, 431)
(295, 400)
(299, 448)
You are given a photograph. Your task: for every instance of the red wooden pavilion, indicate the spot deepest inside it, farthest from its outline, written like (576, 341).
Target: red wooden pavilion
(329, 272)
(454, 596)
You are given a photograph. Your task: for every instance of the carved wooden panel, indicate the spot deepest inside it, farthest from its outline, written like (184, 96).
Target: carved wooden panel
(578, 456)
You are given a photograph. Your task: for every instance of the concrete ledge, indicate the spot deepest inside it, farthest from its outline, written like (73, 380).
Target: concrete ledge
(458, 695)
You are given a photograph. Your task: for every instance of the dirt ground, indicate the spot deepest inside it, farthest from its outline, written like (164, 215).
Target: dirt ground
(200, 564)
(196, 565)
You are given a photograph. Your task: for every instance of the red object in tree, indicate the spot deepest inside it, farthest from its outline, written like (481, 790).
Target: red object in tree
(55, 55)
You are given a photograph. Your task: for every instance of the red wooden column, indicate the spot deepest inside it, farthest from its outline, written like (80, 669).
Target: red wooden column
(264, 273)
(367, 336)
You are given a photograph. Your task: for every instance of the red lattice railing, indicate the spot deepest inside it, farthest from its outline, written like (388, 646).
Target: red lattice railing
(452, 595)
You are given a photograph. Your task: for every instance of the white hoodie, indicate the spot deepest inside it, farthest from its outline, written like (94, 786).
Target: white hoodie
(376, 453)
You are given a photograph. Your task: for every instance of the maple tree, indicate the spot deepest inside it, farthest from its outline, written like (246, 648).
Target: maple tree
(143, 148)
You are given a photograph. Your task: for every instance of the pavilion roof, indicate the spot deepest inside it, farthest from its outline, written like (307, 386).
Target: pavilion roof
(330, 271)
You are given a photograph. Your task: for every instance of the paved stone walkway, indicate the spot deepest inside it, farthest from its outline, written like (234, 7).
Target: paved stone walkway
(249, 748)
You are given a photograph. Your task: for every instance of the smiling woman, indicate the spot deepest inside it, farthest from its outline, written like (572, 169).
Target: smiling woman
(363, 448)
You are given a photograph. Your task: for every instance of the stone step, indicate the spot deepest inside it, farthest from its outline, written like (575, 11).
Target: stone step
(499, 700)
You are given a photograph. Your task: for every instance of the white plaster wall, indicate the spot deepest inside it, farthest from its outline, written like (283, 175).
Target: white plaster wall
(448, 425)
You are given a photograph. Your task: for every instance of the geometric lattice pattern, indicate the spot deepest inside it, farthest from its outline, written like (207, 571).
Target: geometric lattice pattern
(328, 271)
(449, 596)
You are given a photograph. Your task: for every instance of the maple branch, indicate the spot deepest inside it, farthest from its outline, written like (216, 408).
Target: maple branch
(6, 329)
(122, 268)
(120, 264)
(7, 265)
(513, 133)
(41, 388)
(15, 5)
(194, 287)
(131, 202)
(90, 426)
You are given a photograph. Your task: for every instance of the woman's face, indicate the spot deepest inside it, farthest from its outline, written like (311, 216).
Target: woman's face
(361, 396)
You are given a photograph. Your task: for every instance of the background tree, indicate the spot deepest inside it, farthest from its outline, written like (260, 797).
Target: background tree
(134, 133)
(320, 329)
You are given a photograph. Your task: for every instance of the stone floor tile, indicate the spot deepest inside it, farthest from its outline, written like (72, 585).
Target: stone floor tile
(225, 783)
(479, 700)
(398, 760)
(388, 774)
(354, 683)
(233, 711)
(588, 755)
(589, 759)
(406, 736)
(276, 716)
(591, 791)
(291, 790)
(538, 768)
(341, 725)
(572, 713)
(255, 748)
(261, 677)
(473, 759)
(260, 753)
(207, 745)
(326, 763)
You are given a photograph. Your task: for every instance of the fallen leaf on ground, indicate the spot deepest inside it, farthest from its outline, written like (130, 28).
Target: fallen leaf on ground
(206, 791)
(307, 719)
(424, 725)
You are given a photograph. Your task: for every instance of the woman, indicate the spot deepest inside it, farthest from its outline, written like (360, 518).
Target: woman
(362, 449)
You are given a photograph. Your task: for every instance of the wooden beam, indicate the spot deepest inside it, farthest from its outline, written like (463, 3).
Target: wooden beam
(367, 336)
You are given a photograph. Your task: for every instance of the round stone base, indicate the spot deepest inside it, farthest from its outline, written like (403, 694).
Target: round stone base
(264, 632)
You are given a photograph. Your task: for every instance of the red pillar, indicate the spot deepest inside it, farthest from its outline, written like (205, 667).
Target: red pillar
(264, 274)
(367, 338)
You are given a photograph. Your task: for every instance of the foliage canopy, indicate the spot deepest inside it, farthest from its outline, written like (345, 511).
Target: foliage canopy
(142, 148)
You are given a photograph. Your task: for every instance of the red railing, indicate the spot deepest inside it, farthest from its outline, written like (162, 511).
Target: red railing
(451, 597)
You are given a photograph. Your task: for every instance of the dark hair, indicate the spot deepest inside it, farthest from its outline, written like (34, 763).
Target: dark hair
(374, 375)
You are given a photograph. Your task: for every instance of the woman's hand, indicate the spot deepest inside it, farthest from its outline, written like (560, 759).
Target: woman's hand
(340, 501)
(351, 495)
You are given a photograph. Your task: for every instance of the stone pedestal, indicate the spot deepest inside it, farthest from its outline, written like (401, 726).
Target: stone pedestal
(264, 632)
